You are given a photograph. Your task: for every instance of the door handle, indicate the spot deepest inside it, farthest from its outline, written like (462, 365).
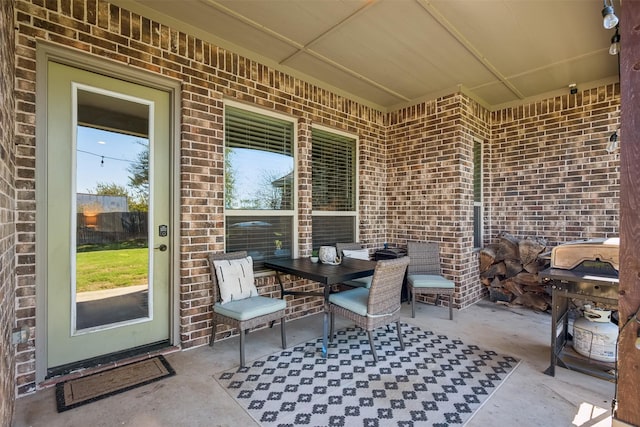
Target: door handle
(162, 247)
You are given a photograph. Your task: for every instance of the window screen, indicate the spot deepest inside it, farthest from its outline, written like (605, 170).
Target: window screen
(259, 180)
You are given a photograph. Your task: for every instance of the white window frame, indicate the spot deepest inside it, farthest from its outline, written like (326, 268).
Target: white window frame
(293, 213)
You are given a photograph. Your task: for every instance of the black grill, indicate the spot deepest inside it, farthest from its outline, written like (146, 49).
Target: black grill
(594, 278)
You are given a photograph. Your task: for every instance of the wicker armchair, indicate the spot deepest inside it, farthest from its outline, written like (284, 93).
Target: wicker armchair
(353, 246)
(246, 313)
(379, 305)
(424, 275)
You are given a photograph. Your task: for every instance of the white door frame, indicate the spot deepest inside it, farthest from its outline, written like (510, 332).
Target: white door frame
(46, 52)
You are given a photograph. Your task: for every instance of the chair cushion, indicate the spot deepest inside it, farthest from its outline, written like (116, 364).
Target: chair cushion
(353, 300)
(235, 279)
(364, 282)
(429, 281)
(356, 253)
(250, 308)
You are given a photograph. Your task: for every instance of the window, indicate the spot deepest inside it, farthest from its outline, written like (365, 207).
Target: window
(259, 184)
(334, 187)
(477, 194)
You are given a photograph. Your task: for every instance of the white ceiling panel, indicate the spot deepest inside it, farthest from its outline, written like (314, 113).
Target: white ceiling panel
(312, 17)
(222, 26)
(580, 70)
(525, 34)
(403, 53)
(395, 52)
(493, 94)
(307, 64)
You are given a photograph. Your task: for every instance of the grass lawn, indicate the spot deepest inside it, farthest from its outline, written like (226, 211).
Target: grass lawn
(108, 269)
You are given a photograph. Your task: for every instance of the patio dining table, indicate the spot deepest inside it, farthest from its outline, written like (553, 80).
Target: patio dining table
(325, 274)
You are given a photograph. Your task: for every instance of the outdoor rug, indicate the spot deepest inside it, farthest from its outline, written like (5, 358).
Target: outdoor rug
(436, 381)
(73, 393)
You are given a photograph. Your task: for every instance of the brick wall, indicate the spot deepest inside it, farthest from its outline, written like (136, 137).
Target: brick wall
(430, 187)
(208, 75)
(550, 173)
(546, 173)
(7, 221)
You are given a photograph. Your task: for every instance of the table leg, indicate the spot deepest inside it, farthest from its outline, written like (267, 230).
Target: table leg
(280, 283)
(325, 321)
(273, 322)
(325, 333)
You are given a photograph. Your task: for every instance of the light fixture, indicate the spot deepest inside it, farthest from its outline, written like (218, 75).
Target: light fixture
(614, 49)
(609, 18)
(613, 142)
(573, 89)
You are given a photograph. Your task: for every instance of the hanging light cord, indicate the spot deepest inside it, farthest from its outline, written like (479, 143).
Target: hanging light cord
(104, 157)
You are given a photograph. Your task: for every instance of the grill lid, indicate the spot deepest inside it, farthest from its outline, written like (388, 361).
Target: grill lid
(598, 254)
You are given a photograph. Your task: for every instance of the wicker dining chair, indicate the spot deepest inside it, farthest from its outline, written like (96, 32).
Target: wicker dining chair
(424, 275)
(246, 313)
(354, 246)
(374, 307)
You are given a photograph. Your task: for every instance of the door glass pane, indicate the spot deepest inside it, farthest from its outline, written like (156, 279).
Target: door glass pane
(112, 204)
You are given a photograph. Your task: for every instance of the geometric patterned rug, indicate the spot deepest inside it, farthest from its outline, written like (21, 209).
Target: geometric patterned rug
(435, 381)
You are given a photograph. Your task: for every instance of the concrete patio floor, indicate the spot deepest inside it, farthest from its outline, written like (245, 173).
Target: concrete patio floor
(194, 398)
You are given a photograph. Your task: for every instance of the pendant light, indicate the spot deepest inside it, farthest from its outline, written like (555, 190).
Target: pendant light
(609, 18)
(614, 49)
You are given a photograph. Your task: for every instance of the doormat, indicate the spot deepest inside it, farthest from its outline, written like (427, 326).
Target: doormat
(434, 381)
(76, 392)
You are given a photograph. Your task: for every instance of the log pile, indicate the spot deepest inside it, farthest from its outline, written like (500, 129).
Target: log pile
(509, 268)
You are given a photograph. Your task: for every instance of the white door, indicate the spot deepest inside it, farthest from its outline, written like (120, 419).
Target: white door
(108, 216)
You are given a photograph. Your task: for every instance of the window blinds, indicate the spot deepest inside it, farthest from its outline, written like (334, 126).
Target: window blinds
(333, 188)
(333, 171)
(246, 129)
(477, 171)
(328, 230)
(265, 233)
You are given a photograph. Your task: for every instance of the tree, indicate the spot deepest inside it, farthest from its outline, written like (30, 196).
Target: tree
(272, 190)
(139, 179)
(138, 195)
(109, 189)
(229, 179)
(113, 189)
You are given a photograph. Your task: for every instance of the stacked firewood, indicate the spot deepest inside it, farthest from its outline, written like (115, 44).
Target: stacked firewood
(509, 268)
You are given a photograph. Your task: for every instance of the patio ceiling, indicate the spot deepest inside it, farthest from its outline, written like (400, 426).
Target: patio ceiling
(390, 53)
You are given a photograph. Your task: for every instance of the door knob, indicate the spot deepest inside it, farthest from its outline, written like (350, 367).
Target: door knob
(162, 247)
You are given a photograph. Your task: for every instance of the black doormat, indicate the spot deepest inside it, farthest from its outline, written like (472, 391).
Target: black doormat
(79, 391)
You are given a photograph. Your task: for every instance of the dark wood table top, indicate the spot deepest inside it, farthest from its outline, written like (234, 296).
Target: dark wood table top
(327, 274)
